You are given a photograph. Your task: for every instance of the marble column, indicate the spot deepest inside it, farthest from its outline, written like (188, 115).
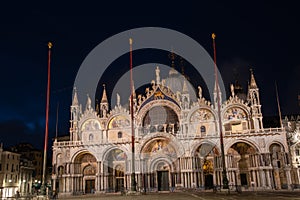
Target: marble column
(263, 178)
(253, 178)
(268, 179)
(288, 177)
(277, 179)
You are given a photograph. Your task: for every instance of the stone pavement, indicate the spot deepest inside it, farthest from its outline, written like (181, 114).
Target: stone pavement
(274, 195)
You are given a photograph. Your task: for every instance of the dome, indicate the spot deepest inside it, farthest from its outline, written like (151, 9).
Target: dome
(175, 82)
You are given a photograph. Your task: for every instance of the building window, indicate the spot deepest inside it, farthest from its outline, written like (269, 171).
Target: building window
(91, 137)
(278, 164)
(297, 152)
(120, 134)
(203, 129)
(7, 167)
(8, 156)
(0, 167)
(12, 168)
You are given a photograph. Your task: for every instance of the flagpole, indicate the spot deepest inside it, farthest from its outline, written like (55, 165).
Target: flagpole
(133, 182)
(56, 125)
(278, 105)
(47, 121)
(224, 174)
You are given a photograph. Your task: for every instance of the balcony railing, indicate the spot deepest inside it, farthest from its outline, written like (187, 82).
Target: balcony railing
(142, 132)
(249, 132)
(67, 143)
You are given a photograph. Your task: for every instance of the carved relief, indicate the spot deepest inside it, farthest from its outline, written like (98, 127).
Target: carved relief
(160, 146)
(90, 125)
(118, 122)
(89, 170)
(201, 115)
(235, 113)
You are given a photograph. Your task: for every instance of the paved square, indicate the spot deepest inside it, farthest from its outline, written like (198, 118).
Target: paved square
(198, 195)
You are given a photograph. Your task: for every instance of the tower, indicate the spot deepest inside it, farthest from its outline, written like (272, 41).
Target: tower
(254, 103)
(103, 104)
(75, 116)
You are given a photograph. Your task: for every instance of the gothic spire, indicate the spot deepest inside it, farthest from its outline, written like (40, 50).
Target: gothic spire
(75, 98)
(104, 96)
(252, 81)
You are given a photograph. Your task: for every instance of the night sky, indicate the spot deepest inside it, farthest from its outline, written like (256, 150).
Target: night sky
(263, 36)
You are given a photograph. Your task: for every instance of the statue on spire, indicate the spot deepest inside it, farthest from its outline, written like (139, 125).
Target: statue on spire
(88, 103)
(118, 100)
(232, 90)
(200, 92)
(157, 71)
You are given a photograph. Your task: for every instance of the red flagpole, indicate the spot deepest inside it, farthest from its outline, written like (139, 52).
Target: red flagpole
(47, 118)
(133, 182)
(224, 174)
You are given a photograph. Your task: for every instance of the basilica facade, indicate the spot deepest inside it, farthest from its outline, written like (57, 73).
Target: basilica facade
(177, 143)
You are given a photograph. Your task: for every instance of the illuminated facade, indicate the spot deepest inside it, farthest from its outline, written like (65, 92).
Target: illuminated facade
(177, 143)
(15, 174)
(9, 173)
(292, 126)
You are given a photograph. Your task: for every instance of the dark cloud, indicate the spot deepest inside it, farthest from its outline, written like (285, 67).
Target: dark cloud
(15, 131)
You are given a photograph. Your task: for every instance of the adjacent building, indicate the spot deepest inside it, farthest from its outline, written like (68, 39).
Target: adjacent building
(16, 173)
(177, 142)
(30, 153)
(9, 173)
(292, 125)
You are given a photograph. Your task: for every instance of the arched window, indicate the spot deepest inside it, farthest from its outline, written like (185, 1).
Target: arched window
(91, 137)
(120, 134)
(203, 129)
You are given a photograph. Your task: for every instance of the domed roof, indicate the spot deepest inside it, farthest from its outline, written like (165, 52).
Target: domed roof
(175, 81)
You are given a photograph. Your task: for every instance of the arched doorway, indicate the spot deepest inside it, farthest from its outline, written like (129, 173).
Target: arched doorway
(279, 159)
(206, 155)
(59, 180)
(115, 170)
(119, 173)
(159, 157)
(238, 164)
(89, 173)
(85, 165)
(162, 174)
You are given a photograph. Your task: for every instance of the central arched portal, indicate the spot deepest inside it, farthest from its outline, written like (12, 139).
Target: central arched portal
(159, 156)
(162, 174)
